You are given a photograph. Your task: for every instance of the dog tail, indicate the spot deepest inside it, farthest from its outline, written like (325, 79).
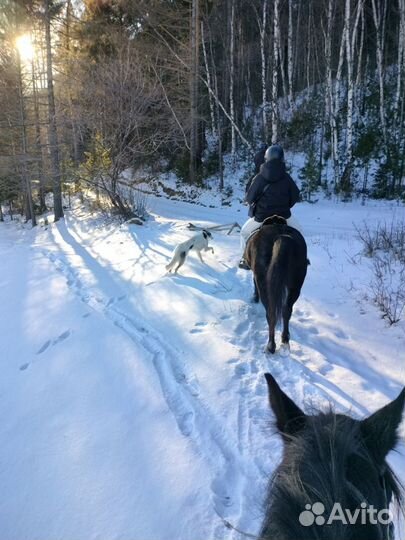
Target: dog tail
(277, 278)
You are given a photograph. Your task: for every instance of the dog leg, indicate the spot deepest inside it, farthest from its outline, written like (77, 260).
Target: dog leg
(182, 258)
(201, 259)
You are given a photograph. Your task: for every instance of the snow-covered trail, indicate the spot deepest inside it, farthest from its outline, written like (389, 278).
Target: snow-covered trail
(134, 402)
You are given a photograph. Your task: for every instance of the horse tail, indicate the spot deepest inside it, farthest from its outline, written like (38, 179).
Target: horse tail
(277, 278)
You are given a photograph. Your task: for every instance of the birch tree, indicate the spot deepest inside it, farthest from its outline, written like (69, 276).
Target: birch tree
(350, 39)
(290, 65)
(194, 42)
(274, 86)
(262, 24)
(209, 82)
(400, 57)
(232, 76)
(379, 10)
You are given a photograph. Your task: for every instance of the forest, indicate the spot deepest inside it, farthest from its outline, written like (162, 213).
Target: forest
(89, 89)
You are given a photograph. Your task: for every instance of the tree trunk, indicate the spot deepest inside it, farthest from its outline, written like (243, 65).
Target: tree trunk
(232, 77)
(194, 72)
(379, 9)
(290, 66)
(38, 144)
(208, 75)
(52, 127)
(262, 30)
(29, 205)
(400, 58)
(274, 86)
(351, 36)
(360, 55)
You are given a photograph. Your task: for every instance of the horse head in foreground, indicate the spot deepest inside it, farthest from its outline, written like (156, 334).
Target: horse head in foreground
(333, 482)
(277, 255)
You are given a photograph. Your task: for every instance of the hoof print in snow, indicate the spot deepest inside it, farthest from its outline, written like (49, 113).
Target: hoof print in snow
(186, 423)
(241, 369)
(222, 499)
(340, 334)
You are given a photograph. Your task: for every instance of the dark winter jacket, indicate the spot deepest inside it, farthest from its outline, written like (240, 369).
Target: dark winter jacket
(281, 195)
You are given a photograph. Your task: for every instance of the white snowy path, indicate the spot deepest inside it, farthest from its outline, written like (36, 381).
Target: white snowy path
(133, 404)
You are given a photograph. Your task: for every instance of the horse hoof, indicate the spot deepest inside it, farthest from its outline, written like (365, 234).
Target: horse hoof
(285, 349)
(270, 348)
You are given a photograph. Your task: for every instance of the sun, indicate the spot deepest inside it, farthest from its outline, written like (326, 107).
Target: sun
(25, 47)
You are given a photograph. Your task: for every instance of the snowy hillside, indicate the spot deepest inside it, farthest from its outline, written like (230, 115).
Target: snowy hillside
(134, 405)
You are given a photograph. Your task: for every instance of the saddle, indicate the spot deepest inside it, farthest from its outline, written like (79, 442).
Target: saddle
(274, 220)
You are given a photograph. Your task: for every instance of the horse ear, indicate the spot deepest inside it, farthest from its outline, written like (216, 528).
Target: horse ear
(289, 417)
(380, 429)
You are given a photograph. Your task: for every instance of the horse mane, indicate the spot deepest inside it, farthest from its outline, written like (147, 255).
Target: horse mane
(314, 468)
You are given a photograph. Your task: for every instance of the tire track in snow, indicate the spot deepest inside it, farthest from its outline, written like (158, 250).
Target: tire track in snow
(181, 392)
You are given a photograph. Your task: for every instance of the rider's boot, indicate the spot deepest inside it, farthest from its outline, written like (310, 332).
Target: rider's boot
(243, 264)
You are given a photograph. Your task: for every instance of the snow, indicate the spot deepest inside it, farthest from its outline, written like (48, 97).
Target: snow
(134, 404)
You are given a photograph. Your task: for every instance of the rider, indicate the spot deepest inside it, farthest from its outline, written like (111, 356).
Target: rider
(272, 192)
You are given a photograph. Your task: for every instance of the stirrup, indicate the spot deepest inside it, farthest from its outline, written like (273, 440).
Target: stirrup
(243, 264)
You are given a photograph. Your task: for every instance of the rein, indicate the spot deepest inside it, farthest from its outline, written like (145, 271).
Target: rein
(231, 527)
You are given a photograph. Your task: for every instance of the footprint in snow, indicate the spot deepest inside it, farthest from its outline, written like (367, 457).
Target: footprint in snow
(195, 331)
(241, 369)
(340, 334)
(186, 423)
(198, 327)
(312, 330)
(222, 498)
(44, 347)
(61, 337)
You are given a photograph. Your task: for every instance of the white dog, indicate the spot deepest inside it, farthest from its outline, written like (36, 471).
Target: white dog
(198, 243)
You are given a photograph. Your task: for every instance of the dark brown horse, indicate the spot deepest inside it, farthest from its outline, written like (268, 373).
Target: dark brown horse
(334, 482)
(277, 255)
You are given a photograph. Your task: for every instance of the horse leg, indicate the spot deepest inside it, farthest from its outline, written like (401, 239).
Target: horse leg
(292, 297)
(256, 296)
(271, 345)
